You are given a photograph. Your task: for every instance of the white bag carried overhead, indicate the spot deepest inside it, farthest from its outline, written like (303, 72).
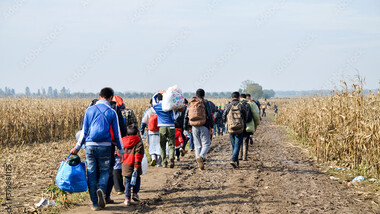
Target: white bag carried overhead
(173, 99)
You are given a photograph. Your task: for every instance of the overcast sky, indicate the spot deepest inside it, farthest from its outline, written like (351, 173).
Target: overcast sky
(150, 45)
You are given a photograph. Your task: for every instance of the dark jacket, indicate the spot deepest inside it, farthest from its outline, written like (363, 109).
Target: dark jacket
(241, 108)
(209, 120)
(181, 119)
(122, 126)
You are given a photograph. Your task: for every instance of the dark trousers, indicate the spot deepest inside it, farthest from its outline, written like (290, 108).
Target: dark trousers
(128, 186)
(244, 147)
(110, 178)
(118, 180)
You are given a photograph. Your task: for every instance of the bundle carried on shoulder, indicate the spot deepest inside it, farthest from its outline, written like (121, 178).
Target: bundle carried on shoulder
(173, 99)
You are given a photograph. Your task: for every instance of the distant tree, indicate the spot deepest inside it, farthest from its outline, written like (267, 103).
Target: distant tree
(50, 92)
(2, 93)
(268, 93)
(255, 90)
(43, 92)
(55, 93)
(27, 92)
(13, 92)
(245, 84)
(63, 92)
(39, 92)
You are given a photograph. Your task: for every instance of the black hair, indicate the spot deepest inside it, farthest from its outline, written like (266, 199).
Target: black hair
(248, 95)
(131, 130)
(159, 97)
(200, 93)
(106, 93)
(185, 101)
(150, 101)
(243, 96)
(235, 94)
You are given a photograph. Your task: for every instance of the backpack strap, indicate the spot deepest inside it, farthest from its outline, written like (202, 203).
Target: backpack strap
(104, 114)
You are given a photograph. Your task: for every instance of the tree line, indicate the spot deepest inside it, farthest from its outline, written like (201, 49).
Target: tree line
(247, 86)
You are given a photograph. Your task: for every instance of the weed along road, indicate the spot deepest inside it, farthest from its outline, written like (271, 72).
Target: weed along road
(279, 177)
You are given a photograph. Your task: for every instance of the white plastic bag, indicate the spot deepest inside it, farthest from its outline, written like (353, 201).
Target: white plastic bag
(144, 165)
(173, 99)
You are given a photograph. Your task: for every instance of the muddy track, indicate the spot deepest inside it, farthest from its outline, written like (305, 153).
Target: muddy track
(278, 178)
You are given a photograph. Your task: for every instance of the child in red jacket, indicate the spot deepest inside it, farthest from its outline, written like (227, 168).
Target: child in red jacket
(178, 142)
(133, 155)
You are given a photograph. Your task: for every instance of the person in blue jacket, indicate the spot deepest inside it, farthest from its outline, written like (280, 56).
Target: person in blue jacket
(99, 121)
(166, 123)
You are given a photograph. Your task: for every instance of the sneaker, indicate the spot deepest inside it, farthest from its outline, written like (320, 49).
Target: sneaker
(109, 201)
(120, 193)
(182, 152)
(171, 163)
(158, 165)
(93, 208)
(165, 165)
(234, 164)
(200, 163)
(101, 199)
(127, 202)
(245, 159)
(135, 197)
(153, 163)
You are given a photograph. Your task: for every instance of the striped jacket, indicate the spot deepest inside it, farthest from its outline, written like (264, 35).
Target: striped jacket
(133, 155)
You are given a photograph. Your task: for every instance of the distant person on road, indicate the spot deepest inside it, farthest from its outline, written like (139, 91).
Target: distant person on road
(199, 116)
(165, 120)
(134, 153)
(218, 126)
(97, 139)
(264, 107)
(150, 122)
(235, 117)
(275, 108)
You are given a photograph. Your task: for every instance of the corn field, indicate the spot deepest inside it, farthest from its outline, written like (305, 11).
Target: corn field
(28, 120)
(343, 128)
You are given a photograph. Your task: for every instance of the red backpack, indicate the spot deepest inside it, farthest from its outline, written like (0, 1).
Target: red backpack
(153, 123)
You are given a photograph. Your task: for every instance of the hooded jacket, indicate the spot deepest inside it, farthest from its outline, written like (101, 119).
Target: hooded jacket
(96, 126)
(133, 155)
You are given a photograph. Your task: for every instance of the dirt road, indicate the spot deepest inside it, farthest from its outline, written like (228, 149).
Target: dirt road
(279, 177)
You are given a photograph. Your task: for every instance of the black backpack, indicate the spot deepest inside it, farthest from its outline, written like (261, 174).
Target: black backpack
(247, 108)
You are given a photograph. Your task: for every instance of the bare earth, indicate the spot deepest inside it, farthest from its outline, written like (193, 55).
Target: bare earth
(278, 178)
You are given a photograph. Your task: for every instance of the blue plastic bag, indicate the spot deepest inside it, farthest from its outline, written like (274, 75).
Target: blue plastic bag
(71, 178)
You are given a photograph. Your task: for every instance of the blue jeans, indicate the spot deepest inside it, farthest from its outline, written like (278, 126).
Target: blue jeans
(236, 141)
(136, 188)
(98, 168)
(191, 141)
(110, 178)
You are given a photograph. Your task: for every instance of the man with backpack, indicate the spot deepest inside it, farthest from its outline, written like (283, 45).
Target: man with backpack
(199, 116)
(165, 120)
(235, 117)
(97, 138)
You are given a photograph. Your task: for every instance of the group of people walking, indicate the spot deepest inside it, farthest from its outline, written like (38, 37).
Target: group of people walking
(113, 142)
